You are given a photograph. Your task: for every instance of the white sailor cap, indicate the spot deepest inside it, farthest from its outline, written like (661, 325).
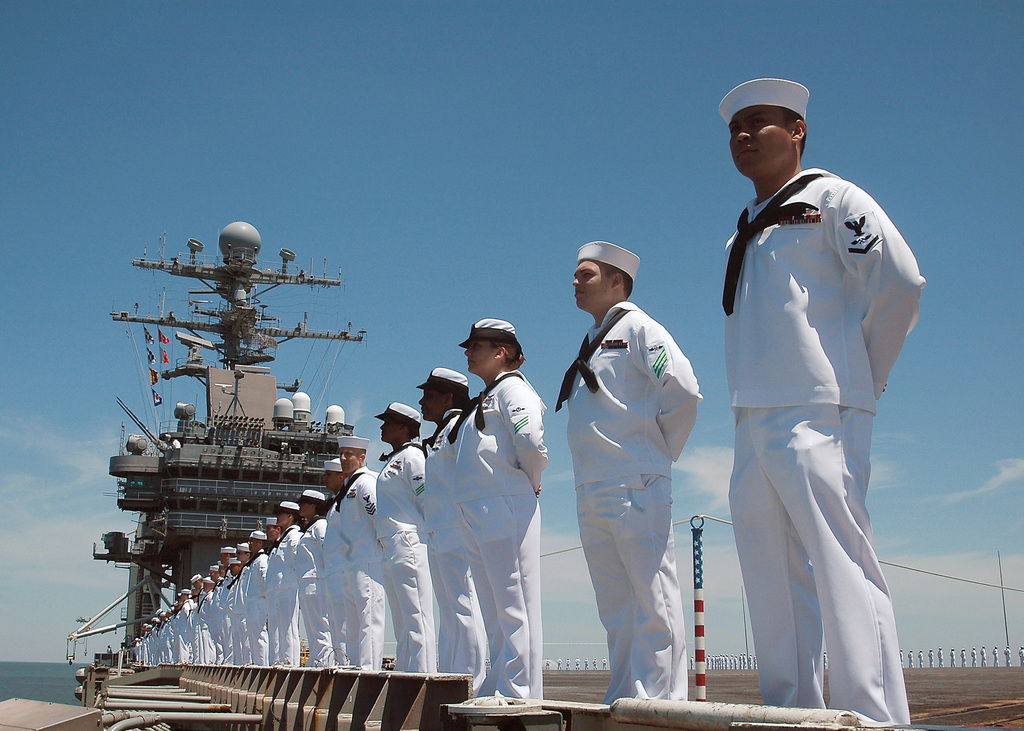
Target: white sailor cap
(197, 577)
(445, 379)
(772, 92)
(228, 549)
(609, 253)
(400, 413)
(215, 567)
(349, 442)
(208, 580)
(257, 535)
(272, 520)
(312, 496)
(184, 592)
(243, 548)
(333, 465)
(234, 562)
(288, 507)
(500, 331)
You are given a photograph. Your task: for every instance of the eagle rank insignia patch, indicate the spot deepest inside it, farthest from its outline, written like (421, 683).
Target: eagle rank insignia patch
(862, 232)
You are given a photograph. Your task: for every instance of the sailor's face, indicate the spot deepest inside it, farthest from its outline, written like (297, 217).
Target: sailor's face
(391, 431)
(593, 289)
(483, 357)
(351, 460)
(763, 142)
(433, 404)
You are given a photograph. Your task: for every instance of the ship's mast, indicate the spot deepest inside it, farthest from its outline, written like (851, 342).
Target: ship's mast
(245, 336)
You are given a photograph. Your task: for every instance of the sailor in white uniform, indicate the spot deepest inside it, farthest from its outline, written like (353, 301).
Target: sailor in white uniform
(820, 293)
(207, 651)
(236, 609)
(255, 592)
(225, 654)
(309, 568)
(632, 404)
(353, 557)
(399, 527)
(273, 536)
(181, 624)
(283, 586)
(462, 639)
(500, 455)
(195, 639)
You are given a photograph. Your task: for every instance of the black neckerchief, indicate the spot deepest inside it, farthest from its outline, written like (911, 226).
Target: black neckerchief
(476, 404)
(450, 416)
(580, 366)
(336, 502)
(769, 216)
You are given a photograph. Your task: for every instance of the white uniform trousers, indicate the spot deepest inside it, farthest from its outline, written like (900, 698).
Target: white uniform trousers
(207, 650)
(462, 640)
(239, 641)
(256, 626)
(226, 651)
(313, 605)
(283, 609)
(334, 605)
(357, 594)
(502, 537)
(626, 531)
(407, 585)
(804, 540)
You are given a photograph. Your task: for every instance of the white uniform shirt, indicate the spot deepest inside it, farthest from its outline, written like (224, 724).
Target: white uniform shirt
(309, 557)
(255, 588)
(439, 511)
(233, 600)
(351, 532)
(400, 492)
(645, 407)
(281, 563)
(508, 456)
(823, 306)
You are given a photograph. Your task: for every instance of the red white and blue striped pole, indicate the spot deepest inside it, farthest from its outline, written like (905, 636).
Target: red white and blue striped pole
(700, 658)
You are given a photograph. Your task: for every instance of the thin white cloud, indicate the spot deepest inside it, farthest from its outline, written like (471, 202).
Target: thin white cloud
(707, 469)
(1008, 472)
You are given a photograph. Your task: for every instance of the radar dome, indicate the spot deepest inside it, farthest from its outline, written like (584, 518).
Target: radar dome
(240, 241)
(301, 415)
(335, 414)
(283, 409)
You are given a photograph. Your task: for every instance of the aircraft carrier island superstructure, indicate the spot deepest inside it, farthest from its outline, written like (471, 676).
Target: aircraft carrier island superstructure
(202, 483)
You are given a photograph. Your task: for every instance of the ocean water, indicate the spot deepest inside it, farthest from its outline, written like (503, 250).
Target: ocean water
(52, 682)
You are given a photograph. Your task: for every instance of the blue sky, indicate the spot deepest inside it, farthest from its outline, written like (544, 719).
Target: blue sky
(451, 158)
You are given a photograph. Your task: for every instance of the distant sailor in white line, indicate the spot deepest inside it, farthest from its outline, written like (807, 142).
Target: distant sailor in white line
(236, 605)
(283, 586)
(633, 402)
(399, 525)
(255, 590)
(310, 572)
(500, 455)
(462, 639)
(353, 556)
